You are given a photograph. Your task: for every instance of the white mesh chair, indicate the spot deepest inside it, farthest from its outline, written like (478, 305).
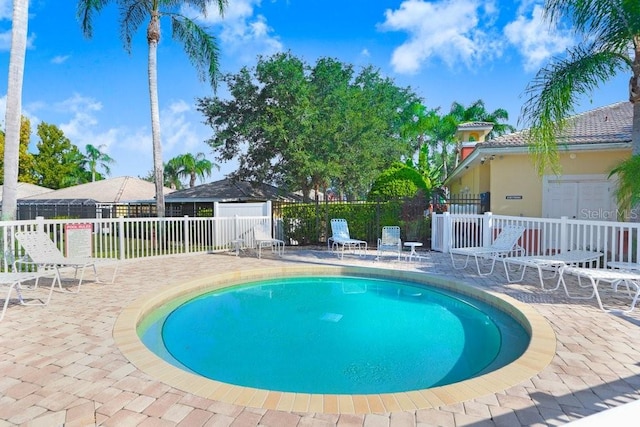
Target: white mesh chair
(596, 276)
(13, 280)
(44, 253)
(263, 239)
(389, 241)
(505, 243)
(340, 238)
(550, 263)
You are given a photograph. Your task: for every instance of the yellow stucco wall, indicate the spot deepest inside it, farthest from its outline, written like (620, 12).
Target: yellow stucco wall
(511, 176)
(514, 175)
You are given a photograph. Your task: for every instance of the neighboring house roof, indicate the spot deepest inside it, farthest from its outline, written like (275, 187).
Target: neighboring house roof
(25, 190)
(114, 190)
(609, 124)
(228, 190)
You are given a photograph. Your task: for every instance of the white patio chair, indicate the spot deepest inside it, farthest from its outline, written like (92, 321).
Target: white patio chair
(340, 238)
(13, 280)
(263, 239)
(601, 275)
(389, 241)
(550, 263)
(504, 244)
(44, 253)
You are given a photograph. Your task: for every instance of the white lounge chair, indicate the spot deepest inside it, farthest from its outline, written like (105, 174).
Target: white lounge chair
(389, 241)
(504, 244)
(263, 239)
(44, 253)
(550, 263)
(340, 238)
(13, 280)
(597, 275)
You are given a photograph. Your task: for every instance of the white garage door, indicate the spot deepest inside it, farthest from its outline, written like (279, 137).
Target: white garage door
(588, 199)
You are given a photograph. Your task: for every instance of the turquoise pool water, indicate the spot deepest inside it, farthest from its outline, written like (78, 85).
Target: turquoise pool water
(335, 335)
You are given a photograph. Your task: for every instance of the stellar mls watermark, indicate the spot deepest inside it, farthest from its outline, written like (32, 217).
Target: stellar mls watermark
(609, 214)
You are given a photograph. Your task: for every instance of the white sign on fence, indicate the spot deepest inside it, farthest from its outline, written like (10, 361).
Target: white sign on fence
(78, 240)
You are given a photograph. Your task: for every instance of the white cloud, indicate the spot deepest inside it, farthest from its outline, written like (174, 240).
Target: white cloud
(178, 134)
(242, 33)
(535, 40)
(449, 30)
(59, 59)
(6, 9)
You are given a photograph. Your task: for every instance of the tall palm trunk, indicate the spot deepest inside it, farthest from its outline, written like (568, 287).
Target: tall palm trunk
(14, 107)
(153, 37)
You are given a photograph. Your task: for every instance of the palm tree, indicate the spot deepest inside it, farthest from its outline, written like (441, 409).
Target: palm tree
(95, 157)
(172, 175)
(477, 112)
(192, 167)
(613, 31)
(198, 44)
(13, 113)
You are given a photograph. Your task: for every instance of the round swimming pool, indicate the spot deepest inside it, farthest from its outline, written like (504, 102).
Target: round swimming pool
(334, 335)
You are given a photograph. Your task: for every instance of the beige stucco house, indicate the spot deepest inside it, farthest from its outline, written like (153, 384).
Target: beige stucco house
(593, 144)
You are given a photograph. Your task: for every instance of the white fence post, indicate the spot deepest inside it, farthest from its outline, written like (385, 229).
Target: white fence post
(447, 232)
(564, 234)
(121, 238)
(487, 229)
(40, 223)
(185, 233)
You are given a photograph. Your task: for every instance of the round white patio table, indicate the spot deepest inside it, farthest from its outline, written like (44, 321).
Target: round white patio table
(413, 253)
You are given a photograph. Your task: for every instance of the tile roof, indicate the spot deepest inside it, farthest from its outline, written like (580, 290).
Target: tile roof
(114, 190)
(25, 190)
(229, 190)
(608, 124)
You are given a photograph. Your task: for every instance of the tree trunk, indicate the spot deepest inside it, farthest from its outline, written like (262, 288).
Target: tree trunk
(14, 108)
(153, 37)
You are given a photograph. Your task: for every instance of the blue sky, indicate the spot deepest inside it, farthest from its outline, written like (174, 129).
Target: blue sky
(449, 50)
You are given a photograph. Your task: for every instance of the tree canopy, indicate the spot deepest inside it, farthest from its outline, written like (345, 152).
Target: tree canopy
(306, 127)
(399, 181)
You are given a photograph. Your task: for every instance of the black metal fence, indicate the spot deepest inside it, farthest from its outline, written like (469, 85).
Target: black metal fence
(464, 204)
(310, 223)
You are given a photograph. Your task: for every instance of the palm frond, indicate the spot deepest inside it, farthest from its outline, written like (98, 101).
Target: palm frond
(554, 93)
(200, 47)
(132, 14)
(85, 11)
(628, 189)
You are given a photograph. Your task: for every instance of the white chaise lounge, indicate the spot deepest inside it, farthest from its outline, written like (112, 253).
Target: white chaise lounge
(505, 243)
(549, 263)
(595, 276)
(340, 238)
(44, 253)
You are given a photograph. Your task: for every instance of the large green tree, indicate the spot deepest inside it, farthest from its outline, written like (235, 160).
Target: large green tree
(13, 114)
(612, 33)
(25, 164)
(309, 127)
(57, 158)
(199, 45)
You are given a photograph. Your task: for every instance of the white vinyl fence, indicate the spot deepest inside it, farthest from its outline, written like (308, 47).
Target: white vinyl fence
(127, 238)
(543, 236)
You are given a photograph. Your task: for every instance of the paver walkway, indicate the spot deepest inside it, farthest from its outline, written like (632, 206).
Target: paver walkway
(59, 365)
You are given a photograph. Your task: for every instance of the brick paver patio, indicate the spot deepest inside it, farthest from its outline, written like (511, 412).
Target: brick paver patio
(59, 365)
